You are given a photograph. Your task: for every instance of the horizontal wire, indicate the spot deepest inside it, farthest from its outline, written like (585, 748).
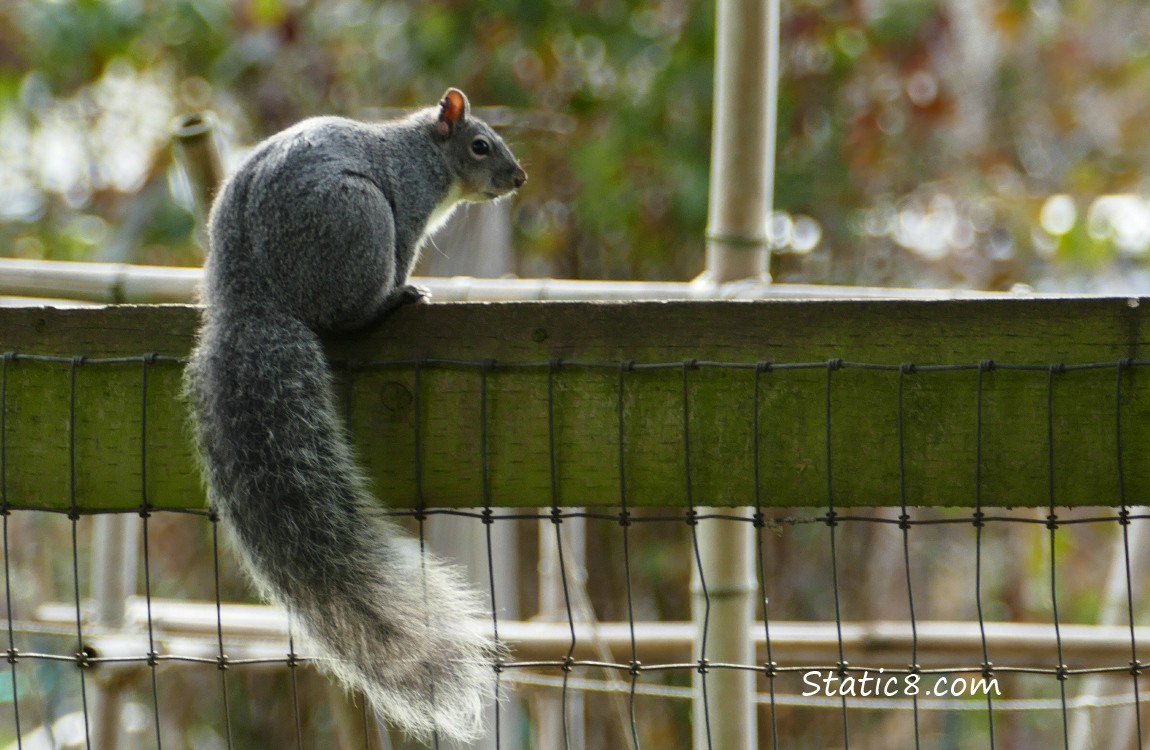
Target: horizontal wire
(588, 685)
(630, 365)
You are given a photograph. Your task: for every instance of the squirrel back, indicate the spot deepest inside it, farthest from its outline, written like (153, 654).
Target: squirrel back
(316, 232)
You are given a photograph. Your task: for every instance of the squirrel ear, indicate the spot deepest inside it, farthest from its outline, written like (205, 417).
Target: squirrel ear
(452, 109)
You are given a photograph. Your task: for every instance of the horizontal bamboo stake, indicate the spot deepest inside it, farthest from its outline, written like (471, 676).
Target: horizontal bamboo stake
(89, 283)
(881, 643)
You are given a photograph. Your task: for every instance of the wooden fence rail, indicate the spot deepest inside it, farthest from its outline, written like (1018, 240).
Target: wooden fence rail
(519, 404)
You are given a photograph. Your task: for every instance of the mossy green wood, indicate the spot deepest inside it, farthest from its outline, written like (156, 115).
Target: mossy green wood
(551, 433)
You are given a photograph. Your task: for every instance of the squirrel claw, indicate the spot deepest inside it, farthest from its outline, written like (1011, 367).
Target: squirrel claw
(412, 294)
(408, 294)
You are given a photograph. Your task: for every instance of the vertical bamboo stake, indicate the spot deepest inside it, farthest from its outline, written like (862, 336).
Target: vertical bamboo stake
(115, 553)
(554, 726)
(726, 551)
(741, 197)
(198, 154)
(1111, 727)
(742, 139)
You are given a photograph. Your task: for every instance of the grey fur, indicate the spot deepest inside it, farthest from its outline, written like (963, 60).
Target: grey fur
(318, 231)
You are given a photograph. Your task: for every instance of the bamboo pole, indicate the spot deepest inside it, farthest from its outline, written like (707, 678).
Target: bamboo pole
(115, 552)
(1100, 727)
(198, 153)
(559, 719)
(723, 589)
(137, 284)
(743, 139)
(741, 196)
(188, 628)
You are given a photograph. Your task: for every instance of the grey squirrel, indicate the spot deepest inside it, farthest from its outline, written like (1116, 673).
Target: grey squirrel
(317, 232)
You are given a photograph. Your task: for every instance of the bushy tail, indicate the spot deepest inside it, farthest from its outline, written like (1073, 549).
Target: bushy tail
(394, 623)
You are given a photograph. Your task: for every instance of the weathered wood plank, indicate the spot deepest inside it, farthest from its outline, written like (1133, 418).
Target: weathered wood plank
(110, 451)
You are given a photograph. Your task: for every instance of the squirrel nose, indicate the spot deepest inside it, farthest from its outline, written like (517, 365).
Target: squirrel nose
(520, 178)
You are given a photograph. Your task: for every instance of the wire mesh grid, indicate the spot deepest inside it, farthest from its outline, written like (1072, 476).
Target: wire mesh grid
(812, 567)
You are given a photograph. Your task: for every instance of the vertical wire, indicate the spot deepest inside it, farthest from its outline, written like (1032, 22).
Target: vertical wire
(421, 510)
(832, 523)
(488, 521)
(366, 713)
(692, 521)
(904, 525)
(1124, 521)
(1052, 525)
(421, 519)
(760, 522)
(557, 523)
(293, 670)
(145, 515)
(293, 657)
(221, 658)
(983, 367)
(347, 391)
(625, 526)
(82, 655)
(352, 367)
(5, 512)
(417, 415)
(421, 524)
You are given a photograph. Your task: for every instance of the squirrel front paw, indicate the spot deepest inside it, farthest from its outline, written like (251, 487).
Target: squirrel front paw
(411, 294)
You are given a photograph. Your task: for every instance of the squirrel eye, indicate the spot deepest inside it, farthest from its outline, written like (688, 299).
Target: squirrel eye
(480, 147)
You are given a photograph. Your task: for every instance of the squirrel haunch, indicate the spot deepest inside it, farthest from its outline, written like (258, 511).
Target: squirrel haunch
(318, 231)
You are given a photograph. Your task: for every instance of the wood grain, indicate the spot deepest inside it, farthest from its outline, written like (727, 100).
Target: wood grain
(504, 391)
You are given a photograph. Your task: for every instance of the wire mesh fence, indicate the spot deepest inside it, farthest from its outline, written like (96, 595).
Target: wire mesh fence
(1009, 622)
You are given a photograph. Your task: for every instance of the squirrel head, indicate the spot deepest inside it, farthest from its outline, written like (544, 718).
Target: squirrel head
(478, 158)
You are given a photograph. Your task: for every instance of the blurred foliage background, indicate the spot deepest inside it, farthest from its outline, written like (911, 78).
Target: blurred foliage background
(946, 143)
